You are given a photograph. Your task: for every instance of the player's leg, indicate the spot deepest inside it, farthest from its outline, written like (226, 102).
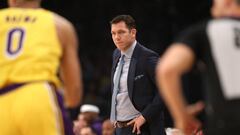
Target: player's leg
(7, 125)
(38, 111)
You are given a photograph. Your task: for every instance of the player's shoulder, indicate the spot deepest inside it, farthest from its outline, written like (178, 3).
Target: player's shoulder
(62, 22)
(5, 11)
(193, 31)
(65, 29)
(198, 27)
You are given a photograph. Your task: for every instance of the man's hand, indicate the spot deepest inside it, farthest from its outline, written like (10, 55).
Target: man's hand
(137, 123)
(196, 108)
(189, 124)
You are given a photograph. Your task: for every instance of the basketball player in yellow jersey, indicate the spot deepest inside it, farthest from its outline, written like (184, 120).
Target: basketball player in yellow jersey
(36, 44)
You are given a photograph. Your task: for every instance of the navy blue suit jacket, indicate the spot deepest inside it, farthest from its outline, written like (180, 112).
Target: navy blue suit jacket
(142, 89)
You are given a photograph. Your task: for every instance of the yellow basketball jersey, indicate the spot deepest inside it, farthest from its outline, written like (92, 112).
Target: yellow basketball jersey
(29, 46)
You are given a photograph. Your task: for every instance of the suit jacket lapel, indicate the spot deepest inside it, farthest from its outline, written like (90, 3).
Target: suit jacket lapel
(115, 61)
(131, 74)
(132, 69)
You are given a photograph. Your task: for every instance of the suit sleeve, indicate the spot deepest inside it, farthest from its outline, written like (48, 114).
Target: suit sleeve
(156, 106)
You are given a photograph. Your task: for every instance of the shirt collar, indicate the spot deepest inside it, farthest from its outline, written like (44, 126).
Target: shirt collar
(128, 53)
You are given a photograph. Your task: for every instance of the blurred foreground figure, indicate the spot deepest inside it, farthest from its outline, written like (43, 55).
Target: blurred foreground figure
(35, 44)
(216, 44)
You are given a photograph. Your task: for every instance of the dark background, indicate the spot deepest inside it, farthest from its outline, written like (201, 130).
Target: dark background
(158, 22)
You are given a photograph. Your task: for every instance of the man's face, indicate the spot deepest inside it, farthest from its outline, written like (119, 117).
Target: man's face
(219, 8)
(122, 36)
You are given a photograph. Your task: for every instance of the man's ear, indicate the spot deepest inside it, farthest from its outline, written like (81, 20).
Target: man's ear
(133, 31)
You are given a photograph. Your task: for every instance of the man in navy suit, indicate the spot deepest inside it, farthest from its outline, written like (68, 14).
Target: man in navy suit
(136, 106)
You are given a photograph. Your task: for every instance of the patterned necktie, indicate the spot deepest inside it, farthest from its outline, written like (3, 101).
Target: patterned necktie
(116, 89)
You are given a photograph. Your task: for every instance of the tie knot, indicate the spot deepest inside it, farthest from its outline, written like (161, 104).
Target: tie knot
(122, 58)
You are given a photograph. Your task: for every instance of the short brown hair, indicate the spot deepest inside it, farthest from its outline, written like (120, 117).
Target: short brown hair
(129, 21)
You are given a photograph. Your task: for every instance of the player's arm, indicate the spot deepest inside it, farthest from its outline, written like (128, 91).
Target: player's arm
(177, 60)
(70, 70)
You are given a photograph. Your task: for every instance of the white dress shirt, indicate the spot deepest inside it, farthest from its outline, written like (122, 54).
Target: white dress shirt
(124, 107)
